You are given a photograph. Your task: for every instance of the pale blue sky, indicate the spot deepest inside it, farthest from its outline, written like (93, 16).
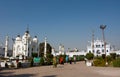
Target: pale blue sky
(67, 22)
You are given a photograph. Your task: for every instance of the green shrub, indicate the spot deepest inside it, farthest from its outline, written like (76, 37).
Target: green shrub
(116, 63)
(99, 62)
(109, 59)
(89, 56)
(34, 54)
(103, 56)
(31, 63)
(81, 58)
(113, 55)
(42, 61)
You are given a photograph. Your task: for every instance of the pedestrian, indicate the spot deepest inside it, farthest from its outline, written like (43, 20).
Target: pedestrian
(61, 60)
(70, 60)
(54, 62)
(66, 59)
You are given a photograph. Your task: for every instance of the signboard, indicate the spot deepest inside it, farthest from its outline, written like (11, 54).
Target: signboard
(36, 60)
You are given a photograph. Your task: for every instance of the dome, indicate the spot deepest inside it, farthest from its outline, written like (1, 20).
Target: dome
(35, 39)
(18, 38)
(26, 35)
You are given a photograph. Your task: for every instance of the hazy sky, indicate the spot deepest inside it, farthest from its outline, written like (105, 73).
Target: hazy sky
(67, 22)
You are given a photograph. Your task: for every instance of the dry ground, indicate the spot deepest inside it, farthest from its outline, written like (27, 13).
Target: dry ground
(67, 70)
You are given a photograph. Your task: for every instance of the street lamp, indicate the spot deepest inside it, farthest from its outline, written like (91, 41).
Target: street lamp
(102, 27)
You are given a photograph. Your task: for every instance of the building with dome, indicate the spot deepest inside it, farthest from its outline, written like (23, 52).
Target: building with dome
(25, 45)
(97, 48)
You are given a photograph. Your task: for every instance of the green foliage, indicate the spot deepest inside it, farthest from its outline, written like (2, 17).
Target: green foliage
(109, 59)
(49, 58)
(31, 63)
(80, 58)
(42, 61)
(34, 54)
(113, 55)
(89, 56)
(103, 56)
(99, 62)
(41, 48)
(116, 63)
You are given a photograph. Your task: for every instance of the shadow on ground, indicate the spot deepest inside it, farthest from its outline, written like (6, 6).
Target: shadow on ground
(10, 74)
(50, 76)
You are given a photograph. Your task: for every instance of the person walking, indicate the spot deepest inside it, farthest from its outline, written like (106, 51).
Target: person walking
(54, 62)
(70, 60)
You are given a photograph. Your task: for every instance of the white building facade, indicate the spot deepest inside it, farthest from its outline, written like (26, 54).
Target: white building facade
(97, 48)
(25, 45)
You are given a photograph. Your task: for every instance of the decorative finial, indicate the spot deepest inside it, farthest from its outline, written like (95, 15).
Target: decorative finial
(27, 28)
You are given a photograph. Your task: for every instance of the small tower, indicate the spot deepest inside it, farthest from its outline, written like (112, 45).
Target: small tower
(45, 47)
(61, 49)
(6, 46)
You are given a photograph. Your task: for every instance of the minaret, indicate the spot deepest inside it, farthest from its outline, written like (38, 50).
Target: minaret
(60, 47)
(26, 42)
(6, 46)
(45, 47)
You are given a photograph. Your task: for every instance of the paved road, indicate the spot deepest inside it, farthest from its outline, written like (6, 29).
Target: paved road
(67, 70)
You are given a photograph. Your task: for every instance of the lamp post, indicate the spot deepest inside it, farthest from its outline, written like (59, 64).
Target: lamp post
(102, 27)
(45, 48)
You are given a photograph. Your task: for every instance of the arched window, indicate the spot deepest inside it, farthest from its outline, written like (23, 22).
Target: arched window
(98, 52)
(89, 51)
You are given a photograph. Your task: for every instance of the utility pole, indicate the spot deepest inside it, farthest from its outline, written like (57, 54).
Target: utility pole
(102, 27)
(45, 47)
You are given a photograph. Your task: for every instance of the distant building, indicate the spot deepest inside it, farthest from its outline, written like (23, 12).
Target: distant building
(70, 53)
(25, 46)
(97, 48)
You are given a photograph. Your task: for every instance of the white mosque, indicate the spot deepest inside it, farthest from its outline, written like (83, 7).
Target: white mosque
(25, 45)
(97, 48)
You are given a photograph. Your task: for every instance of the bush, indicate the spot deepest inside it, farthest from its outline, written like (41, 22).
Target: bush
(103, 56)
(34, 54)
(116, 63)
(89, 56)
(109, 59)
(31, 63)
(113, 55)
(99, 62)
(42, 61)
(80, 58)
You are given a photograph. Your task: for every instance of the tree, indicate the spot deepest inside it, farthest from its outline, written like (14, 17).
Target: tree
(49, 56)
(89, 56)
(41, 46)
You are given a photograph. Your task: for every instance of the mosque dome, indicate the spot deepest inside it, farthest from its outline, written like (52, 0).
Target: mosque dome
(18, 38)
(26, 35)
(35, 39)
